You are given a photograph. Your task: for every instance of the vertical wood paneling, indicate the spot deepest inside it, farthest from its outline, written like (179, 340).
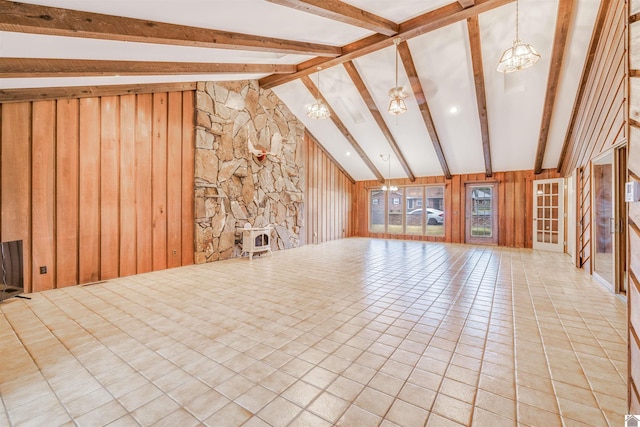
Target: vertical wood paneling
(188, 191)
(520, 206)
(16, 179)
(159, 181)
(600, 114)
(329, 195)
(633, 232)
(109, 188)
(144, 212)
(89, 208)
(67, 190)
(456, 208)
(174, 181)
(76, 185)
(128, 238)
(43, 195)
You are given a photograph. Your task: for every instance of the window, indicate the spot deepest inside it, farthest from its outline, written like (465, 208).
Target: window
(415, 210)
(376, 211)
(434, 196)
(414, 214)
(395, 216)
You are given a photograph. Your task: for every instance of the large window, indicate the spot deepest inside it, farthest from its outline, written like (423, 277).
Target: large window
(396, 217)
(410, 210)
(376, 211)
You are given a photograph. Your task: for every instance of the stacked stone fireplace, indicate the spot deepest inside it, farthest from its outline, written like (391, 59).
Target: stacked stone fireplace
(234, 187)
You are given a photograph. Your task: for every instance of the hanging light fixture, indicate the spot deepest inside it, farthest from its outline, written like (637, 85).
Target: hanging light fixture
(388, 186)
(397, 95)
(520, 55)
(318, 110)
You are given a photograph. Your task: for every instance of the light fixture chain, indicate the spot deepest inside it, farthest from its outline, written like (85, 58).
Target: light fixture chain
(396, 63)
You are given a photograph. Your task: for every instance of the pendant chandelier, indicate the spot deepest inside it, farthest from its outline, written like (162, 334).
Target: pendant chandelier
(318, 110)
(397, 95)
(520, 55)
(388, 186)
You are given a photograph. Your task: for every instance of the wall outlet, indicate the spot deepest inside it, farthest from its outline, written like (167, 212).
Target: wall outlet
(43, 270)
(175, 252)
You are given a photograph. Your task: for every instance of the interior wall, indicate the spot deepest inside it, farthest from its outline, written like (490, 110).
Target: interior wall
(98, 187)
(515, 206)
(235, 187)
(599, 120)
(329, 195)
(633, 229)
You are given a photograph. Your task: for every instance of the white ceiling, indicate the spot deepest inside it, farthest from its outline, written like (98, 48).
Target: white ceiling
(442, 59)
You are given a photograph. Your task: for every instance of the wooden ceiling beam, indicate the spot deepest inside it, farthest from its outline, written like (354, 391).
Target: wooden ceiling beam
(414, 27)
(481, 94)
(47, 67)
(342, 128)
(377, 116)
(36, 19)
(40, 94)
(591, 54)
(563, 21)
(343, 12)
(421, 99)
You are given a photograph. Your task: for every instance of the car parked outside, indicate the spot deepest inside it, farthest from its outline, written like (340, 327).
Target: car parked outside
(434, 216)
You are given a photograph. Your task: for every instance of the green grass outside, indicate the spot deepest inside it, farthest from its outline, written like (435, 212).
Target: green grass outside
(431, 230)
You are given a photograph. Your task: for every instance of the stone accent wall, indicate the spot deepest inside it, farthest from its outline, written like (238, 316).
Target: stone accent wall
(234, 187)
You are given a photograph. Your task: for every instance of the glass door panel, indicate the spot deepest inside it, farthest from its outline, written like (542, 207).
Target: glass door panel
(481, 215)
(604, 226)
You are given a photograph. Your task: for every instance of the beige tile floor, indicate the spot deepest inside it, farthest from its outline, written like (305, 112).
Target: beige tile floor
(358, 332)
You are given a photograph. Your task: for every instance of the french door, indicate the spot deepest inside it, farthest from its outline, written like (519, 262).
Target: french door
(548, 214)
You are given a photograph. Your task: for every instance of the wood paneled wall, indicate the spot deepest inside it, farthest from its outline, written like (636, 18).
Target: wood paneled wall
(98, 188)
(328, 197)
(633, 230)
(599, 119)
(515, 206)
(600, 116)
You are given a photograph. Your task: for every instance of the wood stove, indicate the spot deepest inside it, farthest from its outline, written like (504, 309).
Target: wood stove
(256, 240)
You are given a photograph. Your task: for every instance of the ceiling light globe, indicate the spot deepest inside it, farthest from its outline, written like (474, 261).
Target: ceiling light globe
(518, 57)
(318, 110)
(397, 104)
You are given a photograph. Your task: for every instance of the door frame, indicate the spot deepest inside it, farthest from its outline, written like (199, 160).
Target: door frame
(553, 247)
(619, 209)
(494, 211)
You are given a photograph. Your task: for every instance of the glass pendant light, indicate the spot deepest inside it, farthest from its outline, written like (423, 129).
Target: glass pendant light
(318, 110)
(397, 95)
(520, 55)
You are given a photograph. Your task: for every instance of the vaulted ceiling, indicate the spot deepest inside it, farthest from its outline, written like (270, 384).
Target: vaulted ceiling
(463, 116)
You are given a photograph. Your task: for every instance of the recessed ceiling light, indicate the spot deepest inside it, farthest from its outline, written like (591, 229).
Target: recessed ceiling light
(454, 109)
(348, 153)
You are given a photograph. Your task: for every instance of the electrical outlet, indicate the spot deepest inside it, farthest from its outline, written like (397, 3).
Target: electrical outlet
(175, 252)
(43, 269)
